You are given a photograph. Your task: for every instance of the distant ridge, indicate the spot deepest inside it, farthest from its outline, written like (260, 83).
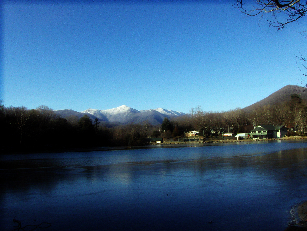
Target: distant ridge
(282, 95)
(127, 115)
(124, 115)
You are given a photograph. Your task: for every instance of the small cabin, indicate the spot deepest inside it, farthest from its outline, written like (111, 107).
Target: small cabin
(242, 136)
(156, 140)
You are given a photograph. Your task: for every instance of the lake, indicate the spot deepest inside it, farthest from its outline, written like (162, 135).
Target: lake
(239, 186)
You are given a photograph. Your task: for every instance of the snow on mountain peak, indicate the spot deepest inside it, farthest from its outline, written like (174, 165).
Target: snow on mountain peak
(120, 109)
(124, 114)
(123, 108)
(168, 112)
(161, 110)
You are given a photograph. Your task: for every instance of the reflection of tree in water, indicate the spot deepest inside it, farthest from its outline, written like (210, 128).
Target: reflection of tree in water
(287, 164)
(44, 175)
(205, 172)
(42, 225)
(25, 175)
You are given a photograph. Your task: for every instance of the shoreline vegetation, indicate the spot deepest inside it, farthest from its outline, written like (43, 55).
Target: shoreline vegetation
(218, 141)
(43, 130)
(165, 144)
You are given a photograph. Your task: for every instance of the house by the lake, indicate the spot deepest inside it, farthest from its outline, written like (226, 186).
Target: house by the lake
(191, 133)
(156, 140)
(268, 132)
(242, 136)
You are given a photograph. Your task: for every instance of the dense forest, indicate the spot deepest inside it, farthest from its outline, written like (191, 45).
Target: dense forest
(42, 130)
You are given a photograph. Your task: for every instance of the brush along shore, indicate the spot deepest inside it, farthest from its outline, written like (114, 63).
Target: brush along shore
(200, 140)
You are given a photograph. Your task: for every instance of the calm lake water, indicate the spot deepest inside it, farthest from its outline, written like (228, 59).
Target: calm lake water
(227, 187)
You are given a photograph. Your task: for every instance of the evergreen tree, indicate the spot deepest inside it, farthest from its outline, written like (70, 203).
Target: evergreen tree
(167, 125)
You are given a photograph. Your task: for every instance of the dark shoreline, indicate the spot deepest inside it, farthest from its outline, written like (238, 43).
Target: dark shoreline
(167, 144)
(299, 217)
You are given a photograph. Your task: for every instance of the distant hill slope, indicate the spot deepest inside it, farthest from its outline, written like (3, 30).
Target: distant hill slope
(124, 115)
(282, 95)
(71, 113)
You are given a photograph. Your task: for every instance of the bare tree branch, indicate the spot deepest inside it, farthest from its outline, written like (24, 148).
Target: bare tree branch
(282, 11)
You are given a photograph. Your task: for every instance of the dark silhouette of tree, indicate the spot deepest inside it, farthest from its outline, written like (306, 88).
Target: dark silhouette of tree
(176, 131)
(129, 135)
(41, 129)
(96, 122)
(280, 12)
(85, 123)
(86, 131)
(167, 125)
(155, 134)
(21, 116)
(184, 124)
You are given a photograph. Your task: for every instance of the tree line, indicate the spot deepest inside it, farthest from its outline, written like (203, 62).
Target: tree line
(291, 113)
(42, 129)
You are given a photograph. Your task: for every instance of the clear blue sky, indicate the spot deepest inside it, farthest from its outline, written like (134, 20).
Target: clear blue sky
(145, 55)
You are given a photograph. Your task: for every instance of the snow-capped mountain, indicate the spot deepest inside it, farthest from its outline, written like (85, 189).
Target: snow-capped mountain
(120, 109)
(111, 114)
(168, 112)
(119, 114)
(124, 115)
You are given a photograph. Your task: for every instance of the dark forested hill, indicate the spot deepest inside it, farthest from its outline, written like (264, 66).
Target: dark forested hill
(280, 96)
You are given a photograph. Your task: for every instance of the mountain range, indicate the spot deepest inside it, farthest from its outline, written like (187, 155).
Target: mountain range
(282, 95)
(123, 115)
(126, 115)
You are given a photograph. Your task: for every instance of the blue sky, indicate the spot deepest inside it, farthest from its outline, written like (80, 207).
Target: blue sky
(172, 55)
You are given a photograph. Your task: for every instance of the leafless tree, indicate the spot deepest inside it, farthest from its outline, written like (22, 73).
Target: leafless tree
(278, 13)
(282, 12)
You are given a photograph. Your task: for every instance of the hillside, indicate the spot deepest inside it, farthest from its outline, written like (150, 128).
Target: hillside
(282, 95)
(126, 115)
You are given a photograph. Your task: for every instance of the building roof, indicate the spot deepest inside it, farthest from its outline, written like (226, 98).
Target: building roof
(242, 135)
(267, 127)
(279, 127)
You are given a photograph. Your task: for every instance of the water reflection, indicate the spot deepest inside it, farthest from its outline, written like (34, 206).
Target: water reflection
(207, 188)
